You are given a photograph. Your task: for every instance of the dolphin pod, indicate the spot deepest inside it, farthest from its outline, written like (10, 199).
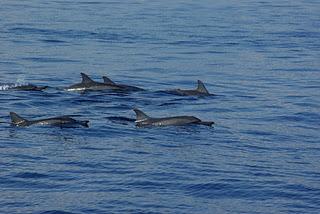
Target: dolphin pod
(107, 84)
(89, 84)
(142, 120)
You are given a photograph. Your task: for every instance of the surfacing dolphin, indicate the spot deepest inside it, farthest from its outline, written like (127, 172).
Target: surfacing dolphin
(121, 86)
(29, 87)
(89, 84)
(199, 91)
(144, 120)
(63, 121)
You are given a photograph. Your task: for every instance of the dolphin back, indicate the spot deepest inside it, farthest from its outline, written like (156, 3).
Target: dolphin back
(30, 87)
(206, 123)
(108, 81)
(67, 121)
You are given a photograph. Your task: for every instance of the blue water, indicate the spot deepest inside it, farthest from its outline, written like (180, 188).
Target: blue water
(260, 58)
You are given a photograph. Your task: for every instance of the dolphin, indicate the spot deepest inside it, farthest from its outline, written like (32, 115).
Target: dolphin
(199, 91)
(29, 87)
(89, 84)
(63, 121)
(143, 120)
(121, 86)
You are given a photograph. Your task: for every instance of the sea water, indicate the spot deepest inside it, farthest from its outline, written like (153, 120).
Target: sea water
(261, 59)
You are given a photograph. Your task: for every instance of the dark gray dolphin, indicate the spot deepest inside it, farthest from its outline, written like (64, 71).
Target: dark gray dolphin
(29, 87)
(63, 121)
(89, 84)
(143, 120)
(121, 86)
(199, 91)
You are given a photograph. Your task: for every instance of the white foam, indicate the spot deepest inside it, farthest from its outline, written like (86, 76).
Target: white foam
(6, 86)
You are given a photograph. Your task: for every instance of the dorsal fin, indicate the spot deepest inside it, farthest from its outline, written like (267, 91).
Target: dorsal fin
(108, 81)
(141, 116)
(201, 88)
(17, 120)
(86, 78)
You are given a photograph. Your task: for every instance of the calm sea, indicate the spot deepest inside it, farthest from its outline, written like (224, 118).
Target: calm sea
(260, 58)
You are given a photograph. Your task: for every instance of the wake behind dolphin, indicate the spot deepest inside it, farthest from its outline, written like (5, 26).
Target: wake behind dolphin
(144, 120)
(63, 121)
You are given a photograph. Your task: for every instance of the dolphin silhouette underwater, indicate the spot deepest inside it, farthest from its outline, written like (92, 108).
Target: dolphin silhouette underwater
(29, 87)
(89, 84)
(143, 120)
(199, 91)
(63, 121)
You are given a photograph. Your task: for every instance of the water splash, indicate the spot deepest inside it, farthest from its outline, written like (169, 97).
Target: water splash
(19, 82)
(7, 86)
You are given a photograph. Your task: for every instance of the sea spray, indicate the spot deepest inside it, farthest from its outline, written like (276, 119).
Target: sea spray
(7, 86)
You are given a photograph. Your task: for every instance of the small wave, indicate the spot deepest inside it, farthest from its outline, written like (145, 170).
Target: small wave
(30, 175)
(56, 212)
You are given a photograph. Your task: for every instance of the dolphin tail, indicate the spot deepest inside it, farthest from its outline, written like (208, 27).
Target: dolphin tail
(84, 123)
(43, 87)
(17, 120)
(108, 81)
(86, 78)
(40, 88)
(201, 88)
(140, 115)
(206, 123)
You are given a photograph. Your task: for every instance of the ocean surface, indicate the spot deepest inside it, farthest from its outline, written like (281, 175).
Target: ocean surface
(261, 59)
